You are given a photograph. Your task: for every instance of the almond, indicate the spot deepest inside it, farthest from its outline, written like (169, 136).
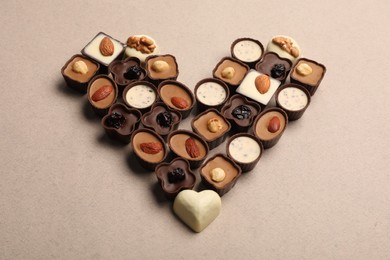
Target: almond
(262, 83)
(106, 47)
(191, 148)
(102, 93)
(179, 102)
(151, 148)
(274, 124)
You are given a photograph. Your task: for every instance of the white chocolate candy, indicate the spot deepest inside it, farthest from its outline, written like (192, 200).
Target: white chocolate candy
(92, 50)
(132, 52)
(140, 96)
(244, 149)
(197, 209)
(247, 51)
(248, 88)
(211, 93)
(292, 99)
(273, 47)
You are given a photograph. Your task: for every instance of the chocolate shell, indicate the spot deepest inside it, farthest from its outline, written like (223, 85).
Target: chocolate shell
(121, 122)
(171, 182)
(179, 146)
(149, 148)
(261, 127)
(214, 133)
(246, 121)
(231, 169)
(177, 97)
(161, 119)
(79, 81)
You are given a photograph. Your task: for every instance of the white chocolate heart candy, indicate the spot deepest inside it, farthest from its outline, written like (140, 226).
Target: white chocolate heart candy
(197, 209)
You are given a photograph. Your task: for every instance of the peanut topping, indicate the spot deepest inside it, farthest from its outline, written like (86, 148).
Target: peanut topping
(286, 45)
(142, 44)
(80, 67)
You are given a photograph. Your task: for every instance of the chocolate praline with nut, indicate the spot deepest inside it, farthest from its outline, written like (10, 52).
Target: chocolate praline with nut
(161, 67)
(230, 71)
(258, 87)
(220, 173)
(149, 148)
(141, 46)
(177, 96)
(102, 93)
(270, 125)
(188, 145)
(285, 47)
(161, 119)
(175, 177)
(212, 126)
(240, 112)
(103, 49)
(121, 122)
(78, 71)
(308, 73)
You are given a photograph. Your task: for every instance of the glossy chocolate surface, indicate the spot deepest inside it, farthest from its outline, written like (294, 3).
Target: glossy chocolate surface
(172, 187)
(267, 65)
(161, 119)
(126, 71)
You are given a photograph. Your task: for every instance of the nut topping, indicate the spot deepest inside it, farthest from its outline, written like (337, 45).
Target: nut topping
(160, 66)
(287, 45)
(142, 44)
(214, 125)
(304, 69)
(274, 124)
(192, 148)
(262, 83)
(151, 147)
(102, 93)
(228, 73)
(217, 174)
(106, 47)
(80, 67)
(179, 102)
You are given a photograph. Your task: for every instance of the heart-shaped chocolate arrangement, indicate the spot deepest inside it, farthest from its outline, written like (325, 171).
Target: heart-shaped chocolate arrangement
(235, 102)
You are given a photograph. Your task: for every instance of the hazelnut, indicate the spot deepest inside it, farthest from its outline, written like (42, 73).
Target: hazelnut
(217, 174)
(80, 67)
(228, 72)
(304, 69)
(160, 66)
(214, 125)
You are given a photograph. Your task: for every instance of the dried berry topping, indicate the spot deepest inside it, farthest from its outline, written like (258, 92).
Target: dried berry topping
(241, 112)
(278, 70)
(134, 72)
(176, 175)
(116, 120)
(164, 119)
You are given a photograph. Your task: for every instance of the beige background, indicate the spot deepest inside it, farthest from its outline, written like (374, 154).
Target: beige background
(68, 192)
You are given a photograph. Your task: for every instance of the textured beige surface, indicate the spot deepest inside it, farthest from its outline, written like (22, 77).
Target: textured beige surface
(68, 192)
